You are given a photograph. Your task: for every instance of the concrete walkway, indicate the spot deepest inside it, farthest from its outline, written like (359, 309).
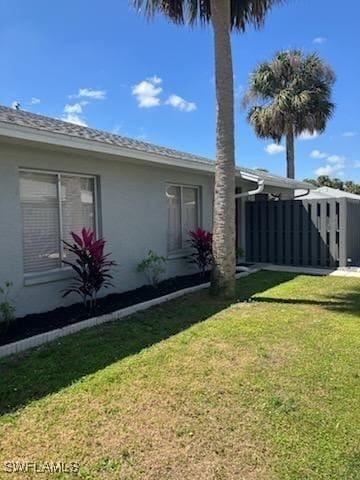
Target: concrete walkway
(337, 272)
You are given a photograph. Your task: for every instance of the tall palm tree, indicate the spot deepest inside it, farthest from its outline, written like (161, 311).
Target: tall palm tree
(223, 15)
(293, 92)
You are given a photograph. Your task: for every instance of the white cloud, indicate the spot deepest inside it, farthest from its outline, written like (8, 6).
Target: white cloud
(350, 134)
(147, 92)
(34, 101)
(306, 135)
(180, 103)
(148, 95)
(73, 108)
(319, 40)
(75, 119)
(318, 155)
(73, 112)
(274, 148)
(329, 170)
(155, 80)
(336, 159)
(357, 164)
(90, 93)
(335, 165)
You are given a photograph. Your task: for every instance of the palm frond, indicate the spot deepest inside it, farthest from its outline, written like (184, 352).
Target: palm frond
(292, 89)
(267, 122)
(243, 12)
(174, 9)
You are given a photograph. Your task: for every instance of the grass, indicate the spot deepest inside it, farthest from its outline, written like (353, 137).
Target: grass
(198, 389)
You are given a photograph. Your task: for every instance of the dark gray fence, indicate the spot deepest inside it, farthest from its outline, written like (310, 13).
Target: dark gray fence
(316, 233)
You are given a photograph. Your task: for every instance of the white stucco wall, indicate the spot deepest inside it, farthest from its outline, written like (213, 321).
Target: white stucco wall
(132, 214)
(133, 217)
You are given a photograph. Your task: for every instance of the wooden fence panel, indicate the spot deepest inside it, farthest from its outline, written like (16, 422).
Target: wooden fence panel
(317, 233)
(353, 232)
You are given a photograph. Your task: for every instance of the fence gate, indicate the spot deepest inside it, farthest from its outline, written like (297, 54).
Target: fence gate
(317, 233)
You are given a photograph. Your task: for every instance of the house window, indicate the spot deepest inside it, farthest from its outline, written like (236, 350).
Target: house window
(53, 205)
(183, 215)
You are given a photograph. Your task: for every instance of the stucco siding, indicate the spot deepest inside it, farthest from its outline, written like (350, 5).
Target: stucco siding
(132, 214)
(132, 217)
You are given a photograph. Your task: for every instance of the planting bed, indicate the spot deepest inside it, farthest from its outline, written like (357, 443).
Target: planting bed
(37, 323)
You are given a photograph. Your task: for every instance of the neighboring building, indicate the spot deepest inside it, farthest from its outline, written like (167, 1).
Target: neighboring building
(328, 192)
(56, 177)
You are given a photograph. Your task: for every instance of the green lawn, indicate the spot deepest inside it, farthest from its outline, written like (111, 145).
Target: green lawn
(198, 389)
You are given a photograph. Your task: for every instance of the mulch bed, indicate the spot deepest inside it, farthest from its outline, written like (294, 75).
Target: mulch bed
(37, 323)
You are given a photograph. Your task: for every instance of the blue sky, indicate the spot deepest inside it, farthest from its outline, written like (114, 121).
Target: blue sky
(101, 64)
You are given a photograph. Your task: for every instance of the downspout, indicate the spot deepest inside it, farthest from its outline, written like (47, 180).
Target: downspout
(303, 194)
(259, 189)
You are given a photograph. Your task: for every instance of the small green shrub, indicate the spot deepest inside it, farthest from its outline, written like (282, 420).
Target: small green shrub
(7, 309)
(153, 266)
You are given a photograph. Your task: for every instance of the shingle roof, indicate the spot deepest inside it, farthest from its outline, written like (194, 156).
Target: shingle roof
(54, 125)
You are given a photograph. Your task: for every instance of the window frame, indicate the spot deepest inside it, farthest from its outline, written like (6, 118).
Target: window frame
(52, 274)
(179, 252)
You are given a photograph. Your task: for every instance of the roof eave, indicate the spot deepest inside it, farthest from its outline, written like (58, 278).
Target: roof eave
(57, 139)
(275, 182)
(60, 140)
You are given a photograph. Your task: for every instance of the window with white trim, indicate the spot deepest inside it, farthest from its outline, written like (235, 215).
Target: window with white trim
(53, 205)
(183, 215)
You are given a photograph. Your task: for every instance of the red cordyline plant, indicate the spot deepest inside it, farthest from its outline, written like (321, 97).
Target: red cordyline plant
(201, 243)
(91, 266)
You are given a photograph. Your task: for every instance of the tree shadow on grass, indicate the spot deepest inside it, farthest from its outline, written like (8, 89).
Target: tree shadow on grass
(50, 368)
(346, 303)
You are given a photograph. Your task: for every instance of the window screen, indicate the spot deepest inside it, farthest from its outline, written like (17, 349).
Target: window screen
(77, 206)
(183, 215)
(52, 206)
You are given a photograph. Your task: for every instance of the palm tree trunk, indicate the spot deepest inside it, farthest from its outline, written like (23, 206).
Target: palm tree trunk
(290, 153)
(223, 275)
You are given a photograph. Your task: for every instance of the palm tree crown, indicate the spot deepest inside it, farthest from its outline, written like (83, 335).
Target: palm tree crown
(292, 94)
(243, 12)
